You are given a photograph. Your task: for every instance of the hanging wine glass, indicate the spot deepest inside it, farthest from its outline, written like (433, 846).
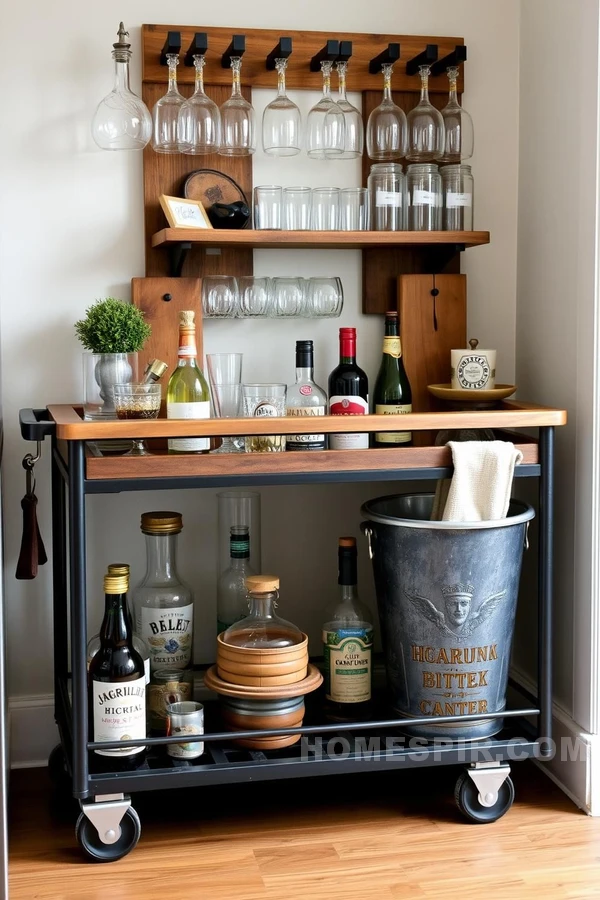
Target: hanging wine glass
(425, 126)
(238, 119)
(199, 123)
(165, 114)
(325, 124)
(122, 120)
(282, 123)
(386, 126)
(354, 134)
(458, 125)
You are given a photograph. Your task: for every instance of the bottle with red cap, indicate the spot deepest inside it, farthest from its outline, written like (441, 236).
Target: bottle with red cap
(348, 393)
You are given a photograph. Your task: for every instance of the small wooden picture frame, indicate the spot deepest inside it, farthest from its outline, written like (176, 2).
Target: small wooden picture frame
(182, 213)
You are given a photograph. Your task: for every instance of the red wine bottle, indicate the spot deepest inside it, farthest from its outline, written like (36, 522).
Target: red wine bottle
(348, 393)
(392, 394)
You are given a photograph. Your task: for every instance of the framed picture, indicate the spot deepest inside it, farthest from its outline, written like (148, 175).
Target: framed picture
(183, 213)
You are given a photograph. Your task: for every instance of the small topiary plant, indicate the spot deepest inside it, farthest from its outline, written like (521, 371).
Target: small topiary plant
(113, 326)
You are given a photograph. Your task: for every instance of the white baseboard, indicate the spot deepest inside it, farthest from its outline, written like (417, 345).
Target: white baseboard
(32, 730)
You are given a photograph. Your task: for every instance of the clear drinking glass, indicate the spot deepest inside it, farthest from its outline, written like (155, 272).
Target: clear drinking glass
(224, 372)
(238, 119)
(262, 400)
(165, 115)
(386, 126)
(185, 718)
(224, 368)
(199, 123)
(325, 209)
(267, 207)
(325, 125)
(458, 125)
(288, 295)
(324, 297)
(354, 132)
(137, 401)
(425, 126)
(282, 123)
(457, 190)
(254, 296)
(220, 297)
(296, 208)
(354, 209)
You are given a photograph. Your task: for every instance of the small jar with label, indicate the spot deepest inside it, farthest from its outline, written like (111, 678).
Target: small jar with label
(457, 187)
(424, 190)
(387, 197)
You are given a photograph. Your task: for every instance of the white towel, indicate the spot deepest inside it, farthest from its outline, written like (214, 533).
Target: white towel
(482, 480)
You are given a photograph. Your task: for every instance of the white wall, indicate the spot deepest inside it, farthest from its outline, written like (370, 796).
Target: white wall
(72, 232)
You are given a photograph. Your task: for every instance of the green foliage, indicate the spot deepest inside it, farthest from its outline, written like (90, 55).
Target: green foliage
(113, 326)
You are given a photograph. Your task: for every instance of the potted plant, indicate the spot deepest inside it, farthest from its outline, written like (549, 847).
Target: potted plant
(113, 332)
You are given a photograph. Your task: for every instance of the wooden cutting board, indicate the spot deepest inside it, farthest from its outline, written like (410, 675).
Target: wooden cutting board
(162, 299)
(430, 327)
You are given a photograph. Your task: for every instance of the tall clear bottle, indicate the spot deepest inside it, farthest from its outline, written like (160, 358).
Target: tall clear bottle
(163, 603)
(305, 398)
(232, 596)
(187, 393)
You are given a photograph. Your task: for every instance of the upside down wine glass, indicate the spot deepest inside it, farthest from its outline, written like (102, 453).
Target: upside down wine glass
(282, 123)
(165, 114)
(199, 125)
(238, 119)
(386, 126)
(458, 125)
(325, 126)
(425, 126)
(354, 134)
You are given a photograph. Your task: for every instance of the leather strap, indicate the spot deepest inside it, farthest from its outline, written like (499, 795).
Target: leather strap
(33, 552)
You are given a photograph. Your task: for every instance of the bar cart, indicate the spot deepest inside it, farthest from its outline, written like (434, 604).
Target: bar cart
(108, 827)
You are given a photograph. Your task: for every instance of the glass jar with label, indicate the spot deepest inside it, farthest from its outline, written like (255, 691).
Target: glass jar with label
(424, 190)
(457, 188)
(386, 184)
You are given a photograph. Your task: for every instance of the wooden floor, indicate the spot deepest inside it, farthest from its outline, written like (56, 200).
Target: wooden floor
(378, 836)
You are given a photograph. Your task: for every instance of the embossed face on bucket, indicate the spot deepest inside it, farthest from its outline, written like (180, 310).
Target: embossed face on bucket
(458, 609)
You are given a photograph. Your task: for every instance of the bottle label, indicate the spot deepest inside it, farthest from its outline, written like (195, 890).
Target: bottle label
(119, 713)
(196, 410)
(347, 655)
(388, 198)
(305, 441)
(392, 346)
(169, 634)
(425, 198)
(393, 437)
(454, 200)
(348, 406)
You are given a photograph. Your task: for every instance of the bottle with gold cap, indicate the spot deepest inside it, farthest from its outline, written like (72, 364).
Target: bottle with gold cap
(117, 683)
(139, 644)
(348, 639)
(262, 627)
(164, 605)
(187, 392)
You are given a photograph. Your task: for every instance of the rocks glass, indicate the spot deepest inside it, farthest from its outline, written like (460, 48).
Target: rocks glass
(260, 401)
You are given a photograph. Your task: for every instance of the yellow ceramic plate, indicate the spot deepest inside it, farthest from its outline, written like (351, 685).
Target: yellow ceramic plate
(447, 392)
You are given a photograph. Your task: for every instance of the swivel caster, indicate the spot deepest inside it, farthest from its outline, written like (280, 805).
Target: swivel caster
(105, 832)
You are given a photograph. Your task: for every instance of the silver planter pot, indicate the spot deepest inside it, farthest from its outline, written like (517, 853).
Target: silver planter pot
(101, 372)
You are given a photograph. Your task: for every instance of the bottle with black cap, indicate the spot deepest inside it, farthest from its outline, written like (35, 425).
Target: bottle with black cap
(305, 398)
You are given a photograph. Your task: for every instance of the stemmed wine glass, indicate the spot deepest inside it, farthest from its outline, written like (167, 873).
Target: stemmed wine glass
(199, 123)
(165, 114)
(354, 135)
(386, 126)
(425, 126)
(238, 119)
(458, 125)
(325, 128)
(282, 123)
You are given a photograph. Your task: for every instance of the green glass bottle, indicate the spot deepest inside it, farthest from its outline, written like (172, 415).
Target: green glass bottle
(392, 395)
(187, 393)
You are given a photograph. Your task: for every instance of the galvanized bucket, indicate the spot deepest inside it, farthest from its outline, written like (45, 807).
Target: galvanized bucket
(447, 597)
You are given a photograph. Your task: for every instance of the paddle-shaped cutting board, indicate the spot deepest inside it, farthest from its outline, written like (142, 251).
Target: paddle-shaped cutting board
(161, 300)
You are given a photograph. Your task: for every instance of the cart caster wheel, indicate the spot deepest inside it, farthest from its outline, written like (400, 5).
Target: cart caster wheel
(57, 768)
(466, 795)
(96, 851)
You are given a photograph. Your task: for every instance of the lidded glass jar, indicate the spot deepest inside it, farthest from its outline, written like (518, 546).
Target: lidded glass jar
(263, 628)
(457, 187)
(424, 189)
(387, 197)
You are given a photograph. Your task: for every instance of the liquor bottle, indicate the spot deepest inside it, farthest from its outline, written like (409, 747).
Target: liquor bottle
(187, 392)
(348, 640)
(305, 398)
(117, 684)
(392, 394)
(348, 393)
(232, 597)
(164, 605)
(139, 644)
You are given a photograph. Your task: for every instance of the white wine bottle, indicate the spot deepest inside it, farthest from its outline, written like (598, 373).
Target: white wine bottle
(187, 393)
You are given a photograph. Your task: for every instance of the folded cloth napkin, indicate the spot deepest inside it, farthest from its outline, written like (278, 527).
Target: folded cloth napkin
(482, 482)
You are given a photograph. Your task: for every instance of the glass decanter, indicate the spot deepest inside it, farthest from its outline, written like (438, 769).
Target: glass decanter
(425, 126)
(458, 125)
(238, 119)
(165, 114)
(354, 133)
(325, 127)
(386, 126)
(282, 123)
(199, 123)
(121, 120)
(262, 627)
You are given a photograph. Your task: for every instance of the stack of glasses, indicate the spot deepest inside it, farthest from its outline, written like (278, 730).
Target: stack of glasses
(226, 297)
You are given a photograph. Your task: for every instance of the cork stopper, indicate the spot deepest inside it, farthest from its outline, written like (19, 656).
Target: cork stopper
(261, 584)
(161, 522)
(116, 584)
(347, 542)
(186, 318)
(119, 569)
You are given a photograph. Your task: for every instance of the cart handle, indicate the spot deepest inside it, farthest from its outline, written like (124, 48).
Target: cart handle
(36, 424)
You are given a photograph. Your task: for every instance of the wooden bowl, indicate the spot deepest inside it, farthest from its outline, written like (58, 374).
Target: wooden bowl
(262, 667)
(313, 680)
